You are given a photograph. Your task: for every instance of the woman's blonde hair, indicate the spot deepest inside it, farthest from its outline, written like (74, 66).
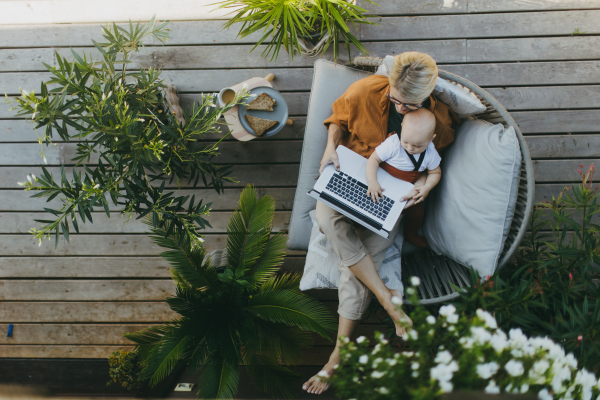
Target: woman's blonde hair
(414, 75)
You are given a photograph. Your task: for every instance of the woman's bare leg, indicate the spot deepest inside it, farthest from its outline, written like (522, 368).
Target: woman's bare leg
(346, 328)
(365, 271)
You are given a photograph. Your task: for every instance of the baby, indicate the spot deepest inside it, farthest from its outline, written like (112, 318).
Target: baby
(404, 157)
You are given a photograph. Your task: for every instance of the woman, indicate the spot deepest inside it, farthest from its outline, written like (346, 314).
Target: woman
(370, 110)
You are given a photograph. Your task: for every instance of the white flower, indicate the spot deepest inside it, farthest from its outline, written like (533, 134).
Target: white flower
(508, 387)
(415, 281)
(569, 359)
(20, 184)
(446, 386)
(33, 177)
(363, 359)
(443, 357)
(414, 366)
(431, 332)
(545, 395)
(524, 388)
(415, 374)
(486, 371)
(377, 361)
(383, 390)
(536, 373)
(467, 342)
(480, 334)
(430, 319)
(376, 348)
(516, 353)
(492, 388)
(517, 337)
(408, 353)
(447, 310)
(443, 372)
(392, 361)
(323, 374)
(377, 374)
(499, 341)
(45, 160)
(413, 334)
(355, 379)
(410, 290)
(29, 178)
(360, 339)
(396, 300)
(489, 320)
(452, 328)
(96, 186)
(452, 319)
(585, 379)
(514, 368)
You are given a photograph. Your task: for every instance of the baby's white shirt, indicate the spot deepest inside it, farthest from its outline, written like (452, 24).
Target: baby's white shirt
(392, 152)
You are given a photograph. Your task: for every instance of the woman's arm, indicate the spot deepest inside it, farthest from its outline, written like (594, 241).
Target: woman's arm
(333, 140)
(409, 198)
(433, 178)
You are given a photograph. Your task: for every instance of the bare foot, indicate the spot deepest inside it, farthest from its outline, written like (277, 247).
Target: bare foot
(317, 386)
(396, 315)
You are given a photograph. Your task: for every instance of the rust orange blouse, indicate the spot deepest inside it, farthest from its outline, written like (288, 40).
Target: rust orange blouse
(363, 110)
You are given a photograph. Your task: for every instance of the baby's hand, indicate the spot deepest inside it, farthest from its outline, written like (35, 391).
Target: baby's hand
(421, 193)
(375, 191)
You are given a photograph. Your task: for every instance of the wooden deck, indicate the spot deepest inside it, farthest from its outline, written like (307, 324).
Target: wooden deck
(76, 300)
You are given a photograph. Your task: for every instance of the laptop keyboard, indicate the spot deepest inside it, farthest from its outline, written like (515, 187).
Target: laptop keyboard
(355, 192)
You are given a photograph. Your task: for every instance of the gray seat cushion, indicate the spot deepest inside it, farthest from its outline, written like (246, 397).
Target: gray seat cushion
(468, 214)
(330, 81)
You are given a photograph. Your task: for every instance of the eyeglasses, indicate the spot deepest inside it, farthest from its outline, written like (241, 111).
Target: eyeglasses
(399, 103)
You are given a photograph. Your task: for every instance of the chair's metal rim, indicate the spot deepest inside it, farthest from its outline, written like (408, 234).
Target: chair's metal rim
(524, 150)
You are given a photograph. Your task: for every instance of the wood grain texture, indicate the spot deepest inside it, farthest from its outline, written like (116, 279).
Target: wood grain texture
(411, 7)
(311, 356)
(101, 267)
(252, 152)
(16, 200)
(530, 5)
(19, 223)
(96, 245)
(481, 25)
(561, 170)
(533, 49)
(534, 73)
(90, 312)
(106, 334)
(61, 334)
(557, 121)
(547, 97)
(240, 55)
(564, 146)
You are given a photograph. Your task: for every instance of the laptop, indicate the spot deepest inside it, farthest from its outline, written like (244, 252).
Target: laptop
(346, 192)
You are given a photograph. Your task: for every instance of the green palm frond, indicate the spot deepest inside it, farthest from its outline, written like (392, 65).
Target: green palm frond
(147, 339)
(270, 260)
(190, 303)
(219, 379)
(248, 230)
(164, 356)
(292, 309)
(271, 377)
(189, 263)
(282, 342)
(285, 281)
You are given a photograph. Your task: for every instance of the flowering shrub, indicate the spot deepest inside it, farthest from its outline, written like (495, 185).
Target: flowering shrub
(476, 355)
(550, 288)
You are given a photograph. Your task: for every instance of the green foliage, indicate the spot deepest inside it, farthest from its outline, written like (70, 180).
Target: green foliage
(285, 21)
(550, 288)
(451, 353)
(128, 142)
(245, 313)
(125, 368)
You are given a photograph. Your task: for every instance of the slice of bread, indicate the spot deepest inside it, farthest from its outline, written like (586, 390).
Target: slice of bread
(262, 102)
(259, 125)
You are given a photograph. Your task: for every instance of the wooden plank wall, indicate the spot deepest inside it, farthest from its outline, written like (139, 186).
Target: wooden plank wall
(76, 300)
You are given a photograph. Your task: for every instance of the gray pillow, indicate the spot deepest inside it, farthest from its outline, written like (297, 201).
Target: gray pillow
(468, 214)
(330, 81)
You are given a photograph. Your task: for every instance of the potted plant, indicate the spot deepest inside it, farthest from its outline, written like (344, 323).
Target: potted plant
(244, 313)
(291, 23)
(131, 137)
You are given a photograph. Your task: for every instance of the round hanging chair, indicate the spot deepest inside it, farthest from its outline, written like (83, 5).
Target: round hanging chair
(437, 271)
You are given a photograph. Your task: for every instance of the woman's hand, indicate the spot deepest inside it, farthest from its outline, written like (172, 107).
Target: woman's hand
(329, 157)
(375, 191)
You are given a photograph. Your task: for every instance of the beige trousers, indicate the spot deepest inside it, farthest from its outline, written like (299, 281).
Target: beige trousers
(351, 242)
